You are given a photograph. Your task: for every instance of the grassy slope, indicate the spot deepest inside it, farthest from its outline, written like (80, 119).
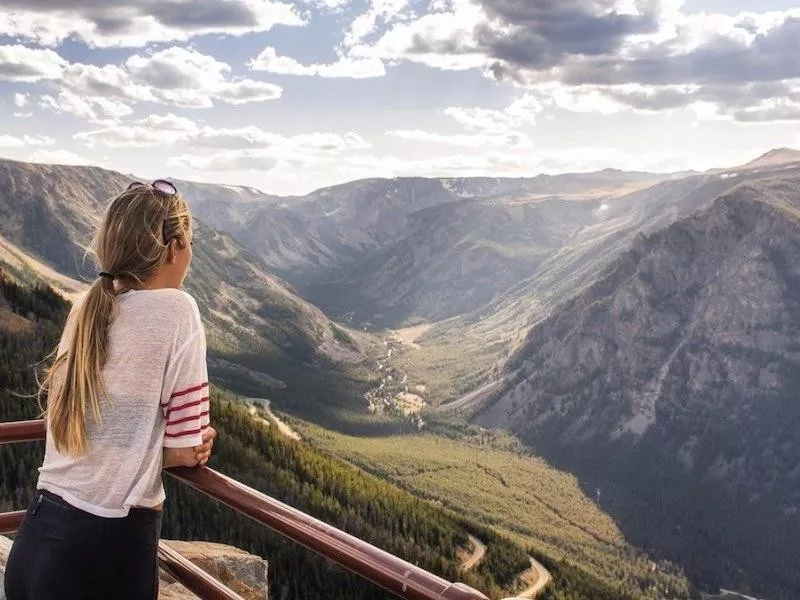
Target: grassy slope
(521, 496)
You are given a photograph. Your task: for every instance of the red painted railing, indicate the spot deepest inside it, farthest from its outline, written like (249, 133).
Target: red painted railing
(386, 570)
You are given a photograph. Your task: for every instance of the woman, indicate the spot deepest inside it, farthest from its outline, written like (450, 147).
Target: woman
(127, 396)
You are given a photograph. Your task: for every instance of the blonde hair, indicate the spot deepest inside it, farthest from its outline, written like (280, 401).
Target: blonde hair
(131, 244)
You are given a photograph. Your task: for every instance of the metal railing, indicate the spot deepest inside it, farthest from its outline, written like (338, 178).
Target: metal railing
(399, 577)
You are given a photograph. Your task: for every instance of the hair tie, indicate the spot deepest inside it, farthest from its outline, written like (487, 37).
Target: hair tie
(106, 275)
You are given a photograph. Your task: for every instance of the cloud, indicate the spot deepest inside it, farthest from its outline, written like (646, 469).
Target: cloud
(59, 157)
(95, 109)
(605, 56)
(21, 100)
(243, 160)
(221, 146)
(9, 141)
(173, 76)
(29, 65)
(367, 22)
(107, 81)
(509, 141)
(135, 23)
(544, 34)
(346, 67)
(521, 112)
(485, 128)
(185, 77)
(440, 39)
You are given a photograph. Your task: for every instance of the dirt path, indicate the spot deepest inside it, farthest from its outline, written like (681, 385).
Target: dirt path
(410, 335)
(476, 556)
(542, 578)
(282, 427)
(473, 397)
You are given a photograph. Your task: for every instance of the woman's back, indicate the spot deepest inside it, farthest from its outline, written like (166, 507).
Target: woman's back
(157, 385)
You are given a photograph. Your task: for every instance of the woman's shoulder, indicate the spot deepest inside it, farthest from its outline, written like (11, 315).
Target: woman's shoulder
(167, 307)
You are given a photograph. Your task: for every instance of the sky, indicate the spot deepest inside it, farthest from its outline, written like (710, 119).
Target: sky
(289, 96)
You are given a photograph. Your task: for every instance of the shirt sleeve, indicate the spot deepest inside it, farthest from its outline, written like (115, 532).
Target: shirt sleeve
(184, 400)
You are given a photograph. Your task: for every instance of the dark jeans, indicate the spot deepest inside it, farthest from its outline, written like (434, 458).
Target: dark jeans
(63, 553)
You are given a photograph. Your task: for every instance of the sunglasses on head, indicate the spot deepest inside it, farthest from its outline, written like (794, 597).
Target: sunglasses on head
(161, 186)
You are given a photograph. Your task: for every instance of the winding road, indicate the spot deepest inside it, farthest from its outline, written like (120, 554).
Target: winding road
(282, 427)
(478, 552)
(543, 577)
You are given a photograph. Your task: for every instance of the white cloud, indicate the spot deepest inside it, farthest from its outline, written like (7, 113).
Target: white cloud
(28, 65)
(170, 122)
(521, 112)
(21, 100)
(9, 141)
(117, 136)
(250, 143)
(135, 23)
(107, 81)
(185, 77)
(509, 141)
(59, 157)
(442, 31)
(367, 22)
(245, 91)
(23, 115)
(243, 160)
(486, 128)
(346, 67)
(94, 109)
(173, 76)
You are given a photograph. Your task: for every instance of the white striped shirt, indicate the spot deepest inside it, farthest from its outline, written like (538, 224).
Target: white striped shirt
(156, 378)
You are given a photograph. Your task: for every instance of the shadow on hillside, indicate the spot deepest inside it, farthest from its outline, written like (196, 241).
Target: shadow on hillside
(719, 539)
(325, 393)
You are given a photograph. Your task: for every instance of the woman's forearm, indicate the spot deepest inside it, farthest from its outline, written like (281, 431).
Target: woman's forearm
(178, 457)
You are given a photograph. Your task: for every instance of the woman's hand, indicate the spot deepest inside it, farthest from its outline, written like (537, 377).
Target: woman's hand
(203, 452)
(190, 457)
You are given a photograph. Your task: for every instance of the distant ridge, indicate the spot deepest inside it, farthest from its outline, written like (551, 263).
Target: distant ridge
(778, 156)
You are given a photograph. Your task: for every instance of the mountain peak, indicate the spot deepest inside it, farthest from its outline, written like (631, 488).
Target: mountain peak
(778, 156)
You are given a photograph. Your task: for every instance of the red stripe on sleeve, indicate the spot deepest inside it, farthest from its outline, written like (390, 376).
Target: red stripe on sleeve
(183, 420)
(196, 388)
(173, 409)
(182, 433)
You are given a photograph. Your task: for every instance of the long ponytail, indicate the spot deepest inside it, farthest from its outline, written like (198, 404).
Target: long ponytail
(78, 384)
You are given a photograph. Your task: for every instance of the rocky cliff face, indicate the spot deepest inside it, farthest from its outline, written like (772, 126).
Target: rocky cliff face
(242, 572)
(672, 383)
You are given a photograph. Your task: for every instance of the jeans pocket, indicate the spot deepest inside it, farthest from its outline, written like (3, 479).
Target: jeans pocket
(29, 527)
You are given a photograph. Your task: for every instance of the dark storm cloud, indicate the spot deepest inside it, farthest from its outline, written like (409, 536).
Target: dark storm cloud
(112, 17)
(773, 56)
(540, 34)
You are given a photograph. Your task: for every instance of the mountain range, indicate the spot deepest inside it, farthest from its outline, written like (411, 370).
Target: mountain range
(635, 329)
